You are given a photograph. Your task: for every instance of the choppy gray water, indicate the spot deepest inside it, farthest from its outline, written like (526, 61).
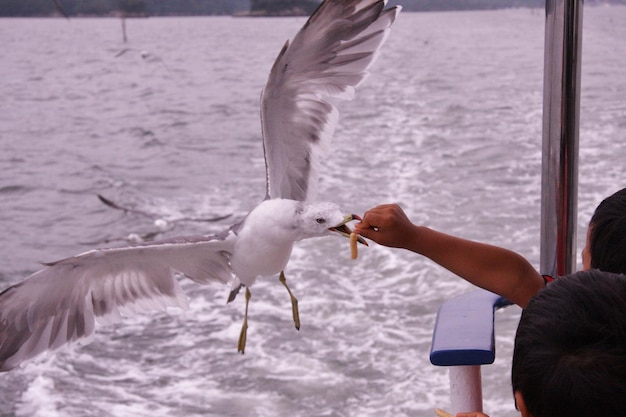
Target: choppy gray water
(448, 124)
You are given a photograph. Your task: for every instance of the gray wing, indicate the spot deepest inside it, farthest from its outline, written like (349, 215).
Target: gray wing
(327, 59)
(60, 303)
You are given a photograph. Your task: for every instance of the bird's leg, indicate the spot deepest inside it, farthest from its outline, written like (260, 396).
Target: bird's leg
(294, 300)
(241, 346)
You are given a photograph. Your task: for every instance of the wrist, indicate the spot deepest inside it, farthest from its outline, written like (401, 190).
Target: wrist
(412, 237)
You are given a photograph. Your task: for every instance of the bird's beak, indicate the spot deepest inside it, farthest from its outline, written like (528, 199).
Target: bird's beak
(345, 231)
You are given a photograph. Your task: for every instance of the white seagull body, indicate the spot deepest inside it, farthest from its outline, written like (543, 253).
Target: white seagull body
(327, 59)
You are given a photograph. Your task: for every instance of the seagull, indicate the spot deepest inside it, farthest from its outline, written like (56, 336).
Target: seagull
(160, 223)
(327, 59)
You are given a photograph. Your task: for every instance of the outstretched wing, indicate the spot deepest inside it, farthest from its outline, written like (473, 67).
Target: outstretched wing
(60, 303)
(327, 59)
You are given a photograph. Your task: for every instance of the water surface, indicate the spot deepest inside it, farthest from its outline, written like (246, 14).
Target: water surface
(448, 125)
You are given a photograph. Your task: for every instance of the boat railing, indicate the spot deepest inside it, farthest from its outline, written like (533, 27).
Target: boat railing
(464, 340)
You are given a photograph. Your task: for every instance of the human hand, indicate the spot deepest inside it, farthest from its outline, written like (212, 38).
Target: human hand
(442, 413)
(386, 225)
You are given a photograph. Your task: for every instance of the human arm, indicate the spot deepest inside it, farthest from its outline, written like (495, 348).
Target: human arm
(495, 269)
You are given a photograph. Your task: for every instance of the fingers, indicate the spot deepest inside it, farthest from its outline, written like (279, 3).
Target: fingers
(379, 216)
(473, 414)
(372, 221)
(381, 224)
(442, 413)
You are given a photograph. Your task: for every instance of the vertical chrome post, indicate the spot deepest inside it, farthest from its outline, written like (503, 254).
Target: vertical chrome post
(561, 110)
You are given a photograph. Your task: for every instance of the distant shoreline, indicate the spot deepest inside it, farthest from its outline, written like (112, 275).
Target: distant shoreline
(297, 11)
(292, 12)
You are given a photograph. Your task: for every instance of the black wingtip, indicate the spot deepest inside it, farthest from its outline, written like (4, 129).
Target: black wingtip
(233, 294)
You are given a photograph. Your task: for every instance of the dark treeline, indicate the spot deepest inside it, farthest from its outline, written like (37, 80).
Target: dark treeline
(283, 7)
(447, 5)
(438, 5)
(118, 7)
(229, 7)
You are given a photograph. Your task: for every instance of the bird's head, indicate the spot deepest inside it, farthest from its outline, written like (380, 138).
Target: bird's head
(323, 219)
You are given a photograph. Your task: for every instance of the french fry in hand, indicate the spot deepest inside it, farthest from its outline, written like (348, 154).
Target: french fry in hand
(354, 251)
(442, 413)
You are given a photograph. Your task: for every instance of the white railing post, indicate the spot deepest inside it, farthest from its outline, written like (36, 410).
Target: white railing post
(466, 392)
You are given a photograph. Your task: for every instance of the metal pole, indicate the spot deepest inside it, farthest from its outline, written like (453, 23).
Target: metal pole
(561, 113)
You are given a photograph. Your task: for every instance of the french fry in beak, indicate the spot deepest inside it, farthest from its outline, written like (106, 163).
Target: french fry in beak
(354, 250)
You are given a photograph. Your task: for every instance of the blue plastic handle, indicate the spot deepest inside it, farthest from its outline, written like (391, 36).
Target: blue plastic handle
(464, 331)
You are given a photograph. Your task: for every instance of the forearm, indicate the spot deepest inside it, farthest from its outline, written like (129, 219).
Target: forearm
(495, 269)
(498, 270)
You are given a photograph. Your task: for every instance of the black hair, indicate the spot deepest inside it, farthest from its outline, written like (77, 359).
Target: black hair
(607, 242)
(570, 349)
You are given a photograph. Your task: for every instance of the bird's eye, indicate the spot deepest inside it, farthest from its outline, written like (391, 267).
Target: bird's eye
(320, 220)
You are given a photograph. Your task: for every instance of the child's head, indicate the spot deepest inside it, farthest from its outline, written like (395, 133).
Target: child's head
(606, 236)
(570, 348)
